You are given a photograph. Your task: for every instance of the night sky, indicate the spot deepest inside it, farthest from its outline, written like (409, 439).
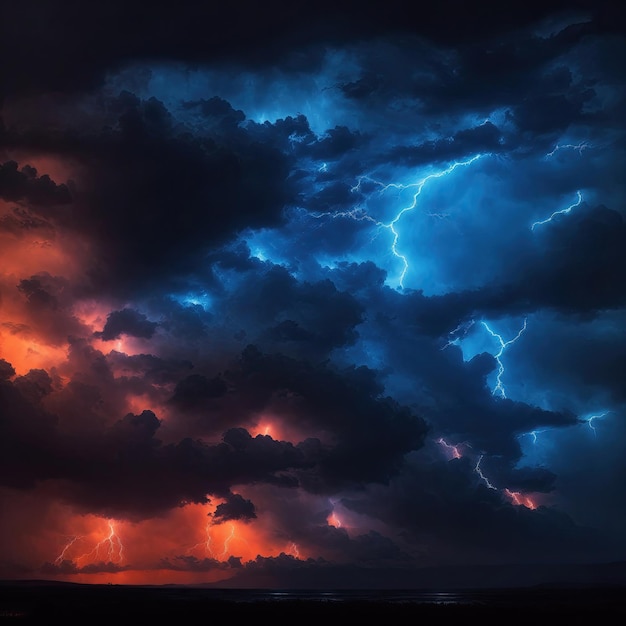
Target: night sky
(310, 291)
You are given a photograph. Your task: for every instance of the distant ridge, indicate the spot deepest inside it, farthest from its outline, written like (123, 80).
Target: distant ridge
(467, 577)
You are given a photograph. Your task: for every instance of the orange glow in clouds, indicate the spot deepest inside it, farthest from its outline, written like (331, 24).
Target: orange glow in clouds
(333, 520)
(267, 426)
(232, 538)
(520, 499)
(24, 354)
(186, 545)
(107, 548)
(282, 428)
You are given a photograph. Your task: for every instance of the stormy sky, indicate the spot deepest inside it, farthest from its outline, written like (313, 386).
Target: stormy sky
(310, 291)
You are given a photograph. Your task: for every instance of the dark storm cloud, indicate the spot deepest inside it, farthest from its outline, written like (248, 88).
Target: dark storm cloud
(65, 567)
(577, 267)
(493, 425)
(127, 470)
(127, 322)
(49, 300)
(34, 385)
(51, 58)
(531, 479)
(24, 184)
(334, 196)
(161, 196)
(336, 143)
(184, 322)
(282, 313)
(21, 220)
(551, 113)
(479, 77)
(69, 567)
(583, 265)
(190, 563)
(591, 356)
(27, 434)
(179, 198)
(6, 370)
(480, 139)
(372, 432)
(125, 467)
(492, 526)
(152, 368)
(218, 114)
(291, 133)
(38, 293)
(235, 508)
(195, 390)
(419, 368)
(364, 549)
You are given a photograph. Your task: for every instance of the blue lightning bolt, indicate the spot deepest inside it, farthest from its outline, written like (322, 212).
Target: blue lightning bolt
(418, 186)
(533, 434)
(359, 214)
(439, 216)
(499, 388)
(561, 212)
(195, 299)
(480, 472)
(590, 419)
(569, 146)
(459, 333)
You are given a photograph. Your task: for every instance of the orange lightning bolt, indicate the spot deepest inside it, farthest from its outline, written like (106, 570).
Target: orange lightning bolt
(67, 546)
(111, 545)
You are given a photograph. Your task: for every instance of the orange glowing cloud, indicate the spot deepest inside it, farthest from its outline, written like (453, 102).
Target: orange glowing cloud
(25, 353)
(283, 428)
(33, 247)
(185, 545)
(333, 520)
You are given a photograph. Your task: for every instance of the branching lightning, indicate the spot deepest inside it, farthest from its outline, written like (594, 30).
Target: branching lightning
(453, 449)
(359, 214)
(520, 499)
(533, 434)
(590, 419)
(499, 387)
(418, 186)
(63, 553)
(517, 498)
(207, 544)
(293, 549)
(227, 541)
(110, 548)
(561, 212)
(569, 146)
(460, 332)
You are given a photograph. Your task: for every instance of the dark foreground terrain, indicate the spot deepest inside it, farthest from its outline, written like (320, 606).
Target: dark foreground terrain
(65, 603)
